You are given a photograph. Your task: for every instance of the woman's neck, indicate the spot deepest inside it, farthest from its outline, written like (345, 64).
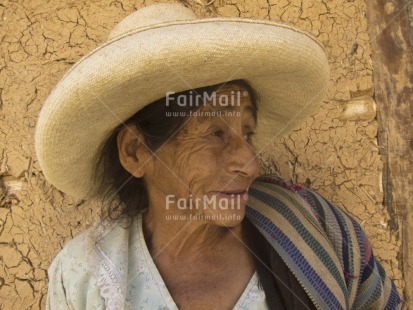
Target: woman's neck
(185, 237)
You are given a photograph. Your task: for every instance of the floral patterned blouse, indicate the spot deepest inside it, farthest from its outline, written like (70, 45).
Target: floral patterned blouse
(110, 267)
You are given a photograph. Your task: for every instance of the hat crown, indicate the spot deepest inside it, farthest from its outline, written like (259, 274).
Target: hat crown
(152, 15)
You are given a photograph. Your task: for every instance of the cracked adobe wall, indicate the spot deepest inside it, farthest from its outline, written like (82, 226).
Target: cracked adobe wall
(335, 151)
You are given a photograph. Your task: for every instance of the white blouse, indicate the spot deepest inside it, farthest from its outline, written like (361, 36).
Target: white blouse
(121, 274)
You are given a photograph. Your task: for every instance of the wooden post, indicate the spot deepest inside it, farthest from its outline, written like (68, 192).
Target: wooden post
(391, 35)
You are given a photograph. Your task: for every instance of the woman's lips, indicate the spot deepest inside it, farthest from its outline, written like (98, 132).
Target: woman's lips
(233, 194)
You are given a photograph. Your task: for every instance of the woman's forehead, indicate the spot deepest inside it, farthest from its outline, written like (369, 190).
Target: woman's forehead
(210, 112)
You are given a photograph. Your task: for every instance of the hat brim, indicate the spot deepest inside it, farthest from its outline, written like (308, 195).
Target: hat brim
(286, 67)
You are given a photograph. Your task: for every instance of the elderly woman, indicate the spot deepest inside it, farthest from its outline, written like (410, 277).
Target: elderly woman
(163, 123)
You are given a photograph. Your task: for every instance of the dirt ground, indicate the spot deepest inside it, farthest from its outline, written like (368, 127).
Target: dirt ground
(334, 152)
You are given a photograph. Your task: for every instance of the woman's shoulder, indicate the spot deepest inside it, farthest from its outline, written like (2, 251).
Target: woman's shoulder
(106, 236)
(302, 225)
(90, 268)
(320, 209)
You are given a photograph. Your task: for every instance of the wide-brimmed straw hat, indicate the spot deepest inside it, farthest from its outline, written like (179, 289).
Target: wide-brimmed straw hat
(162, 48)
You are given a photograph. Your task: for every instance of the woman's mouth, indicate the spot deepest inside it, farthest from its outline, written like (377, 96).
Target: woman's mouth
(233, 194)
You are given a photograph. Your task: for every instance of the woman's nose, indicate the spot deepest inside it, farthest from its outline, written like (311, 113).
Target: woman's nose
(241, 157)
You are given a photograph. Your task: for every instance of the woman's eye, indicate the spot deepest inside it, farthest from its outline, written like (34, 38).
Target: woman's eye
(218, 133)
(249, 135)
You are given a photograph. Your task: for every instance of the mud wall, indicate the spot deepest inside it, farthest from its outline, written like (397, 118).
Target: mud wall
(334, 152)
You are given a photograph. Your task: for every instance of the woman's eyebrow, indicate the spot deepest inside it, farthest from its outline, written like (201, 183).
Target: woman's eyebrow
(251, 109)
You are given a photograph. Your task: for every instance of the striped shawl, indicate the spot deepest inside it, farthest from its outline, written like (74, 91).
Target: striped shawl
(323, 246)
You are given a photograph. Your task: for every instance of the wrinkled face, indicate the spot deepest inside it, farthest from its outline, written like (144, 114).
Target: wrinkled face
(204, 172)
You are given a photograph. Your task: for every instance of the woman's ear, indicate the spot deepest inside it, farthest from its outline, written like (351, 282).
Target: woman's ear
(132, 150)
